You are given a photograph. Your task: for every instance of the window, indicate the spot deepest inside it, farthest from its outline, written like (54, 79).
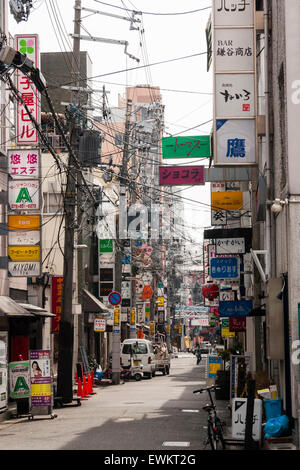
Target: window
(137, 348)
(52, 203)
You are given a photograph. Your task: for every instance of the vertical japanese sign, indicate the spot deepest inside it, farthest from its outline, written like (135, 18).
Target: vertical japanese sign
(235, 110)
(56, 292)
(26, 132)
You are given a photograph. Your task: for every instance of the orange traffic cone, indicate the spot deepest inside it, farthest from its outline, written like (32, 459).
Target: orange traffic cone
(85, 389)
(90, 387)
(79, 389)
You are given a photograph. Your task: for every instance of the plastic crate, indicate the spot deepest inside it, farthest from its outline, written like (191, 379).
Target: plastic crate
(273, 408)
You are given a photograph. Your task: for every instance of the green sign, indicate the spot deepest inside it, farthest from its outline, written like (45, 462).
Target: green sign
(186, 147)
(225, 322)
(106, 246)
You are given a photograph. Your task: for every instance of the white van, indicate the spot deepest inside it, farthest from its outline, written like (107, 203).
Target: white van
(143, 354)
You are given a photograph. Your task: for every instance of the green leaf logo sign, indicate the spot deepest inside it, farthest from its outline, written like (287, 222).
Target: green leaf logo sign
(26, 46)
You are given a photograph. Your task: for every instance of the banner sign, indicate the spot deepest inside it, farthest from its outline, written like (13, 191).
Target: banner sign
(235, 308)
(40, 378)
(24, 195)
(26, 133)
(181, 175)
(186, 147)
(56, 297)
(24, 164)
(224, 268)
(19, 379)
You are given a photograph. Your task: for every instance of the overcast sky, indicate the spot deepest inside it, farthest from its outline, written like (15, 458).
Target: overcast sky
(163, 37)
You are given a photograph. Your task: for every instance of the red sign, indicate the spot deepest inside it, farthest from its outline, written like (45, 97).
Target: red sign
(181, 175)
(210, 291)
(56, 296)
(237, 324)
(147, 293)
(139, 334)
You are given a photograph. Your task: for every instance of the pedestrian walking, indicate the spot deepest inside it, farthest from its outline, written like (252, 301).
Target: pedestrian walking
(198, 355)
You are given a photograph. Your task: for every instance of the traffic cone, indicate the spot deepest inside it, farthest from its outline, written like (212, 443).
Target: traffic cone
(85, 389)
(90, 387)
(79, 389)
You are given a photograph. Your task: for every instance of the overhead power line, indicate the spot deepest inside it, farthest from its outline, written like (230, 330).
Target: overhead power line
(156, 13)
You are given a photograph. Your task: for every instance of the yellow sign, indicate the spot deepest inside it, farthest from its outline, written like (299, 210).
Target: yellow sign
(160, 301)
(229, 201)
(40, 390)
(152, 327)
(227, 334)
(24, 253)
(26, 222)
(117, 316)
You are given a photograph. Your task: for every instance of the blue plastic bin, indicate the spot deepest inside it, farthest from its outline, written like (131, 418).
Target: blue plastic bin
(273, 408)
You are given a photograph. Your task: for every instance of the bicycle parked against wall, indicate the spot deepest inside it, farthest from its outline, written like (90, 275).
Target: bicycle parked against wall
(215, 436)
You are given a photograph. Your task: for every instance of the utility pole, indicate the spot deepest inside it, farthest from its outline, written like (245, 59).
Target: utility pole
(66, 332)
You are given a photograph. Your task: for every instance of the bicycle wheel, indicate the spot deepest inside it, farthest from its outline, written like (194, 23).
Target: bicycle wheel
(215, 437)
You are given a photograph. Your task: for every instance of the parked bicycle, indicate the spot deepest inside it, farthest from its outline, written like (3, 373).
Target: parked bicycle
(215, 436)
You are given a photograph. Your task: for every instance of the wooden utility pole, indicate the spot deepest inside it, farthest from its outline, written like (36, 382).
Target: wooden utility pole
(66, 332)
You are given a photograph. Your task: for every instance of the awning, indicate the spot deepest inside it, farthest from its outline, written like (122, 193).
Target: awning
(10, 308)
(93, 305)
(42, 312)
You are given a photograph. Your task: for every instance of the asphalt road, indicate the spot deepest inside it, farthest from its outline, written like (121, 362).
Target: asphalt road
(141, 415)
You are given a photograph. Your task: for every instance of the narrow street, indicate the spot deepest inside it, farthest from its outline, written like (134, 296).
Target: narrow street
(132, 416)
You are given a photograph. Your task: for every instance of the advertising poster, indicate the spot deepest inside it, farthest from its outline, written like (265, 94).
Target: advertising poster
(40, 378)
(19, 379)
(214, 364)
(3, 369)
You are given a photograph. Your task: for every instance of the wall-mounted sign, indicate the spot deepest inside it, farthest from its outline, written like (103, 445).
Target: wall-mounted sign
(228, 200)
(23, 164)
(56, 301)
(24, 195)
(26, 222)
(218, 217)
(186, 147)
(225, 246)
(24, 237)
(234, 50)
(235, 95)
(24, 268)
(224, 268)
(24, 253)
(237, 324)
(235, 141)
(106, 246)
(181, 175)
(26, 133)
(229, 13)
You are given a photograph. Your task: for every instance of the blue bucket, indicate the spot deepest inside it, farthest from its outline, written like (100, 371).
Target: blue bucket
(273, 408)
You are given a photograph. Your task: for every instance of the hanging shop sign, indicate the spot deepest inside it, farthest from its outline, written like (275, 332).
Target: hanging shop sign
(228, 200)
(181, 175)
(235, 95)
(226, 295)
(99, 325)
(210, 290)
(225, 246)
(186, 147)
(218, 218)
(225, 332)
(24, 237)
(24, 195)
(235, 308)
(231, 13)
(147, 293)
(147, 313)
(224, 268)
(19, 379)
(24, 164)
(24, 222)
(26, 133)
(133, 319)
(24, 268)
(152, 328)
(56, 301)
